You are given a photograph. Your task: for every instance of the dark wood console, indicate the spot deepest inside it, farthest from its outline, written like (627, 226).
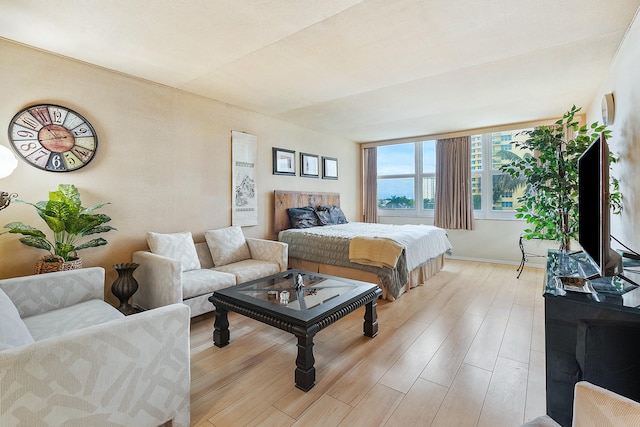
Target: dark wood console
(589, 336)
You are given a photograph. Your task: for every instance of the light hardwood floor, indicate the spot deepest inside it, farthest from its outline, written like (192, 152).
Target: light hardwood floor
(465, 349)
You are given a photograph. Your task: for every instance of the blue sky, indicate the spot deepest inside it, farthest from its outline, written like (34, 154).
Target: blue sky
(399, 159)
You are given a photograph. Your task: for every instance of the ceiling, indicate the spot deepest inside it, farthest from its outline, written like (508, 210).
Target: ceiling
(365, 70)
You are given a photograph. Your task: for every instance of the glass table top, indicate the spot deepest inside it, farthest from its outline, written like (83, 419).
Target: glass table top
(297, 291)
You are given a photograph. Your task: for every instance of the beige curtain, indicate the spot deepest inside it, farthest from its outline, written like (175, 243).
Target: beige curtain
(454, 205)
(370, 180)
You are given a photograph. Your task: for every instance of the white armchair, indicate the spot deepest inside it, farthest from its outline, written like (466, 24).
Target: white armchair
(69, 358)
(178, 270)
(594, 406)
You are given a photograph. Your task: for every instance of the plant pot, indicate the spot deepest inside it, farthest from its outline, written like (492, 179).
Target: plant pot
(52, 263)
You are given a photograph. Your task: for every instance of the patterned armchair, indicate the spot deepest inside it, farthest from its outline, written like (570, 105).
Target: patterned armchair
(69, 358)
(176, 269)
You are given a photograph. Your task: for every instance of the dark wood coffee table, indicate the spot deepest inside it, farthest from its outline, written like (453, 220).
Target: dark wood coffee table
(321, 301)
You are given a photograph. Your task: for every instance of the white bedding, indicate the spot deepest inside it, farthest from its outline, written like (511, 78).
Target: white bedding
(421, 242)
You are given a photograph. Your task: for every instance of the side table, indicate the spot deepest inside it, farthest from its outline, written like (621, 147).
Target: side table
(525, 256)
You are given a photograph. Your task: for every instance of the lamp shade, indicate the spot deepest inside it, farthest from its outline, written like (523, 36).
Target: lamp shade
(8, 162)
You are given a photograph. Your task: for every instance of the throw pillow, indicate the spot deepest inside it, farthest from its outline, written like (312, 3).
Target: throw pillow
(13, 331)
(227, 245)
(178, 246)
(303, 217)
(335, 213)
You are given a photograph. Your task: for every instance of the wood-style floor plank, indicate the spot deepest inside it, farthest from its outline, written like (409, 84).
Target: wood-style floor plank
(465, 349)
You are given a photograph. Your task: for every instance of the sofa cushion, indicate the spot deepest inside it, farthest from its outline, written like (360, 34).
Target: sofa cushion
(201, 282)
(227, 245)
(78, 316)
(250, 269)
(178, 246)
(13, 331)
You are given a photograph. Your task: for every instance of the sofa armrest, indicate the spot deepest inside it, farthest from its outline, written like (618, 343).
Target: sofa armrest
(269, 250)
(159, 280)
(45, 292)
(132, 371)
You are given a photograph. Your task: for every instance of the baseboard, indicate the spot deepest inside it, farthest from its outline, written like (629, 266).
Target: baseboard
(494, 261)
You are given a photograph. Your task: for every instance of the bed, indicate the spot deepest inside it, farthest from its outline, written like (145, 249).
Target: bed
(396, 257)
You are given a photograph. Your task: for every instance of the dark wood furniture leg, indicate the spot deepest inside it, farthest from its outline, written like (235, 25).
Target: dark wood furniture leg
(221, 327)
(305, 375)
(370, 325)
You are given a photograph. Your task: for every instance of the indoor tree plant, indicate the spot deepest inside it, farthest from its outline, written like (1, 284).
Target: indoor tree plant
(68, 220)
(549, 171)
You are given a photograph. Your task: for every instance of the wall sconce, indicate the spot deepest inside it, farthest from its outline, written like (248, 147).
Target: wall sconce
(8, 163)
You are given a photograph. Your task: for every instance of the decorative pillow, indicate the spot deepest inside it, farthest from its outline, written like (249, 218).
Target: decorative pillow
(178, 246)
(324, 217)
(227, 245)
(335, 213)
(13, 331)
(303, 217)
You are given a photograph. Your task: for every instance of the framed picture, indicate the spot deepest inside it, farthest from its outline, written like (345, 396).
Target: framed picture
(284, 161)
(309, 165)
(329, 168)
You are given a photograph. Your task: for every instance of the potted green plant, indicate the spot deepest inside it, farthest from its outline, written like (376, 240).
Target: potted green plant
(68, 220)
(550, 173)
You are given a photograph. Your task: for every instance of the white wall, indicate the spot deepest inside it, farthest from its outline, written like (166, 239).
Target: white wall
(163, 160)
(622, 80)
(494, 240)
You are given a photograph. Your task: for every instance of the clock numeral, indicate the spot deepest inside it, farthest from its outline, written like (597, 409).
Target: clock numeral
(41, 114)
(39, 157)
(29, 122)
(25, 134)
(29, 146)
(56, 162)
(57, 115)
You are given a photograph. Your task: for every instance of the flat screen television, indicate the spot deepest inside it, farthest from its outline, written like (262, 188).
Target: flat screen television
(594, 210)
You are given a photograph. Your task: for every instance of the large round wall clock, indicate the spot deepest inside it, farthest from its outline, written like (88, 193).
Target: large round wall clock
(53, 138)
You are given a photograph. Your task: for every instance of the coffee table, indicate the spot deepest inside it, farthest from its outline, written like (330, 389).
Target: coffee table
(315, 301)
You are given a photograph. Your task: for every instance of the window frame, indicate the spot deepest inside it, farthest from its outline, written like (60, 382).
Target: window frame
(486, 213)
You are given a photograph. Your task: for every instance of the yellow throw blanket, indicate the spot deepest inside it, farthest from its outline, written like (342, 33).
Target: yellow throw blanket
(375, 251)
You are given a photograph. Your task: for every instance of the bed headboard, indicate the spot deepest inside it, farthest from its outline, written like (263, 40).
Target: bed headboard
(284, 200)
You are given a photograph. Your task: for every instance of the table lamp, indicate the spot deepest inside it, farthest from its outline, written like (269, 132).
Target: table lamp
(8, 163)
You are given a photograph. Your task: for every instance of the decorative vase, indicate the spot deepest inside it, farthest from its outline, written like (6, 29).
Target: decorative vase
(125, 286)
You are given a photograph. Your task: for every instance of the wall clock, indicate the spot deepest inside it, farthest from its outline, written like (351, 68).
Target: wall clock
(608, 109)
(53, 138)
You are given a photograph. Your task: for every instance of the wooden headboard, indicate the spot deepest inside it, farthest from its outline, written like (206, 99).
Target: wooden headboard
(284, 200)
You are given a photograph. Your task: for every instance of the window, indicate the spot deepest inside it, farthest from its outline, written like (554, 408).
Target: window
(408, 169)
(404, 171)
(495, 194)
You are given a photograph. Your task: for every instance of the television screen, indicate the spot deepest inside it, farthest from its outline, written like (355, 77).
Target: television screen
(593, 208)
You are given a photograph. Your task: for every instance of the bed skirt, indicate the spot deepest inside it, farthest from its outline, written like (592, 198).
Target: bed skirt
(417, 276)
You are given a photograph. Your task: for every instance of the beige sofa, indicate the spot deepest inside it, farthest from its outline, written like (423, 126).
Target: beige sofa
(69, 358)
(176, 269)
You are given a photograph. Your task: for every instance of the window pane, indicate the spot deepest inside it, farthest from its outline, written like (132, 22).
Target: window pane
(428, 192)
(396, 159)
(476, 152)
(429, 157)
(506, 191)
(476, 192)
(503, 148)
(395, 193)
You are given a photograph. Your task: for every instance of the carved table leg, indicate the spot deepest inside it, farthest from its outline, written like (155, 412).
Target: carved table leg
(370, 325)
(221, 328)
(305, 372)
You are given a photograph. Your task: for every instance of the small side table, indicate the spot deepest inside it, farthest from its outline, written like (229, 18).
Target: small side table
(525, 256)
